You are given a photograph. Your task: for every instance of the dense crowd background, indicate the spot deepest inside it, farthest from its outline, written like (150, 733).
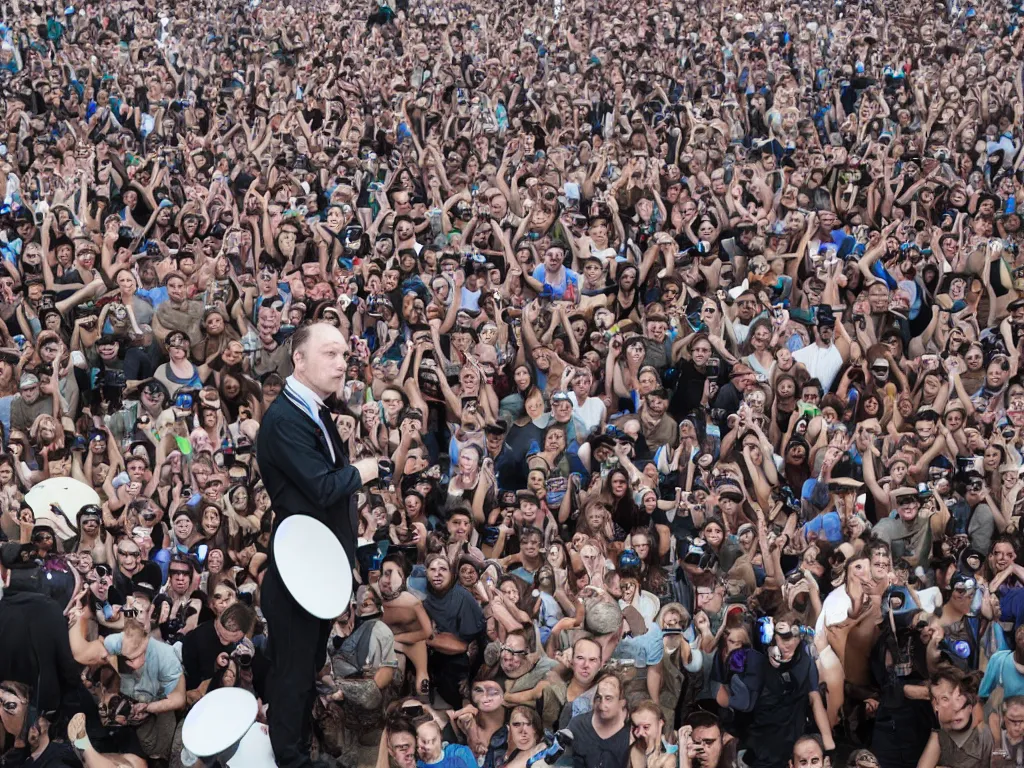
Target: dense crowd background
(693, 333)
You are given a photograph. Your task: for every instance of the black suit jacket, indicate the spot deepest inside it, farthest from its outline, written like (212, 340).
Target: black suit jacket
(295, 462)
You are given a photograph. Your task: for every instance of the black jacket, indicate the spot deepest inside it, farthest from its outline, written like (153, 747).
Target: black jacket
(35, 648)
(295, 463)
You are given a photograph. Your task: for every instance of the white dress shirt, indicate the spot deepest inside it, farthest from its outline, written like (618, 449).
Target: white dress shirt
(310, 403)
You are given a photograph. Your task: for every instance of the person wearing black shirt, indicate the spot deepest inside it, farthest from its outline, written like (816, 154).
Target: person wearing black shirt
(602, 736)
(203, 648)
(741, 380)
(34, 646)
(689, 391)
(788, 684)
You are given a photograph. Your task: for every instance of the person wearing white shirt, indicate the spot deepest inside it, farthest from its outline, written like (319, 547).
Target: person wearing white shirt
(826, 356)
(590, 410)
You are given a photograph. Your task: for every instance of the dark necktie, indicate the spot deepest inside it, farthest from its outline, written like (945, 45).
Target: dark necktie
(332, 432)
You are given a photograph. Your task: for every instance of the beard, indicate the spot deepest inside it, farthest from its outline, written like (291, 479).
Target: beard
(389, 595)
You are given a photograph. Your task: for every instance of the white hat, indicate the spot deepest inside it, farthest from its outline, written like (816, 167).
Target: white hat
(313, 566)
(218, 721)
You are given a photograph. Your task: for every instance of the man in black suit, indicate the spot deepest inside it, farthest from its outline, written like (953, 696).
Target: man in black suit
(306, 472)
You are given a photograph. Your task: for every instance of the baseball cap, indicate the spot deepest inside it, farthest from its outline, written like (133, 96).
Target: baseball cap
(28, 380)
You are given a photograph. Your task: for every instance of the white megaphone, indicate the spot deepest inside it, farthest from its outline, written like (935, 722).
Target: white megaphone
(313, 566)
(222, 726)
(57, 501)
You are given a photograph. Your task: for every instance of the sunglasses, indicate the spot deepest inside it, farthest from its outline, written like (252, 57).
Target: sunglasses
(130, 553)
(179, 573)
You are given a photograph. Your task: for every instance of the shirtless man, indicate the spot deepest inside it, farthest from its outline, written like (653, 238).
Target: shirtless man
(404, 613)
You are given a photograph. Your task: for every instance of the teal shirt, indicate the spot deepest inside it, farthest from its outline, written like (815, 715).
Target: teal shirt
(157, 678)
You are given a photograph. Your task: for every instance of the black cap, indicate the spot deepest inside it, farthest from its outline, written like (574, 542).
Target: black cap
(499, 427)
(106, 339)
(142, 584)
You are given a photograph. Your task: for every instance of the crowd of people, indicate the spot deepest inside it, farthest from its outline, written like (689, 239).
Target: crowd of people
(690, 333)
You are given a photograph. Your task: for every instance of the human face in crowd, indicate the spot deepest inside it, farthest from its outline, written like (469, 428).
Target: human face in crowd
(402, 749)
(808, 754)
(428, 742)
(951, 705)
(1013, 722)
(609, 704)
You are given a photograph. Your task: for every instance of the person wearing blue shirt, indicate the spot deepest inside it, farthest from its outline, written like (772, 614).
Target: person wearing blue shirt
(553, 278)
(433, 753)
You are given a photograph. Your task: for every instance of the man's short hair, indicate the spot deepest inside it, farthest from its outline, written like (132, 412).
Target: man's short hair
(400, 724)
(584, 639)
(648, 706)
(809, 737)
(529, 531)
(608, 673)
(238, 617)
(1013, 701)
(399, 559)
(463, 511)
(701, 719)
(812, 383)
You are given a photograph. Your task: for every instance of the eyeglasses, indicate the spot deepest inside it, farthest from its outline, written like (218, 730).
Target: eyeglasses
(513, 651)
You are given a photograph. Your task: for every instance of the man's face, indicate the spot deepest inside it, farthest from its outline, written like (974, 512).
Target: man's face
(439, 574)
(586, 662)
(709, 600)
(608, 700)
(402, 748)
(487, 696)
(807, 754)
(514, 661)
(951, 706)
(322, 361)
(391, 580)
(701, 353)
(646, 728)
(1013, 722)
(553, 258)
(656, 330)
(746, 308)
(31, 394)
(562, 411)
(656, 405)
(908, 508)
(881, 564)
(179, 577)
(176, 290)
(133, 651)
(530, 546)
(459, 528)
(709, 744)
